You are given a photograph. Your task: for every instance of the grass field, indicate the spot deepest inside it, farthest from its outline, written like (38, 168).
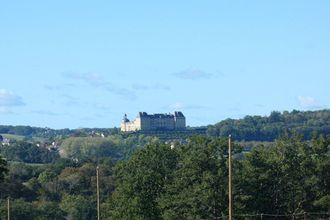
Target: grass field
(21, 137)
(13, 136)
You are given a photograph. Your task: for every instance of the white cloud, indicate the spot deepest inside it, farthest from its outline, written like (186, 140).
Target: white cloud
(9, 99)
(98, 81)
(181, 106)
(5, 110)
(177, 105)
(308, 102)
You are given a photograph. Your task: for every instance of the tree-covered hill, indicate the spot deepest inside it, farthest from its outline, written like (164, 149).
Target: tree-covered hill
(250, 128)
(190, 181)
(29, 132)
(268, 128)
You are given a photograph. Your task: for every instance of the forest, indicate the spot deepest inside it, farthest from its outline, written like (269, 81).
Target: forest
(145, 176)
(249, 128)
(268, 128)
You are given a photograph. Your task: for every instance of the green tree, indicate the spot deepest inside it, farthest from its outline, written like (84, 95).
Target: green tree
(3, 168)
(198, 187)
(140, 182)
(79, 207)
(49, 211)
(23, 151)
(20, 210)
(287, 178)
(269, 128)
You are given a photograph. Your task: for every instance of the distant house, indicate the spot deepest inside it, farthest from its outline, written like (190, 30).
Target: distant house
(146, 122)
(5, 142)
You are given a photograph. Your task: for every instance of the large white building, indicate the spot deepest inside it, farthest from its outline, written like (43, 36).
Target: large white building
(146, 122)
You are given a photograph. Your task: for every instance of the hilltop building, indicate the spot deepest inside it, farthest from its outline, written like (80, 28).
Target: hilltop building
(146, 122)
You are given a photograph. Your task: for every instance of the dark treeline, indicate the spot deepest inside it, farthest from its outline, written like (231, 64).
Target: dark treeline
(22, 151)
(258, 128)
(250, 128)
(163, 181)
(191, 180)
(29, 131)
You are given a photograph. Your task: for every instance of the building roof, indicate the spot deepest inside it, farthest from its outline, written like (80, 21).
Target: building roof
(125, 119)
(160, 115)
(178, 114)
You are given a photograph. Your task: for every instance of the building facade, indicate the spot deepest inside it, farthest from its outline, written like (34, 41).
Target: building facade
(146, 122)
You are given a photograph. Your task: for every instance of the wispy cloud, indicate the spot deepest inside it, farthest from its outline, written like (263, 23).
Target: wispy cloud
(45, 112)
(70, 100)
(98, 81)
(58, 87)
(234, 109)
(87, 118)
(8, 99)
(193, 73)
(123, 92)
(182, 106)
(258, 105)
(308, 102)
(5, 110)
(94, 79)
(177, 105)
(156, 86)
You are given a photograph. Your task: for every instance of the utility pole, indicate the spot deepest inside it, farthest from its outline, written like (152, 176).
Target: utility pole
(230, 214)
(8, 208)
(97, 193)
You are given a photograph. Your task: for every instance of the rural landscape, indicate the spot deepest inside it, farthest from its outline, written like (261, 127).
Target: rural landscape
(281, 169)
(165, 110)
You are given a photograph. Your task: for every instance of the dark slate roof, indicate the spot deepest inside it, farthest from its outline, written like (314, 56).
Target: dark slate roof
(166, 115)
(125, 119)
(178, 114)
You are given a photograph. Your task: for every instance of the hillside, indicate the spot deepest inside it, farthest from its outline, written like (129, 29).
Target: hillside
(56, 179)
(250, 128)
(268, 128)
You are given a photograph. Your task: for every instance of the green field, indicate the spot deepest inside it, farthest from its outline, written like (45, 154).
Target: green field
(13, 136)
(21, 137)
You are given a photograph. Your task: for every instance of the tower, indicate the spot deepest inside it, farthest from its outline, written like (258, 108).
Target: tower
(123, 126)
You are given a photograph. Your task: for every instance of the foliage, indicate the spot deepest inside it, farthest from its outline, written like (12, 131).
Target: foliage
(79, 207)
(140, 182)
(258, 128)
(23, 151)
(49, 211)
(23, 171)
(157, 181)
(30, 132)
(198, 186)
(3, 168)
(168, 135)
(16, 189)
(288, 177)
(22, 210)
(114, 146)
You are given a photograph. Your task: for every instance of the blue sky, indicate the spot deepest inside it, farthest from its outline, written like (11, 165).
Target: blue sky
(86, 63)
